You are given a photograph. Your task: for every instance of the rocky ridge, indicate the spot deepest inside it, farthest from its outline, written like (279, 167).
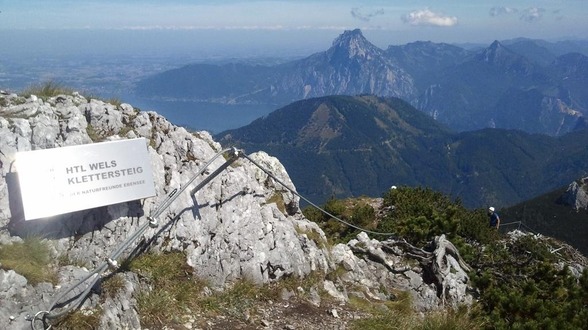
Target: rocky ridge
(498, 86)
(231, 229)
(352, 65)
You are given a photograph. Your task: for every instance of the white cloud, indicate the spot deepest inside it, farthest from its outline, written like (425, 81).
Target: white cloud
(497, 11)
(363, 16)
(532, 14)
(427, 17)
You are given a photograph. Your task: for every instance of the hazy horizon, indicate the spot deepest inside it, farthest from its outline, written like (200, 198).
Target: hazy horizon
(238, 28)
(103, 47)
(196, 45)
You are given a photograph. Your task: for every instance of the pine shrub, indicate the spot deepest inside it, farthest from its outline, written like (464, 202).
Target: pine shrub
(520, 282)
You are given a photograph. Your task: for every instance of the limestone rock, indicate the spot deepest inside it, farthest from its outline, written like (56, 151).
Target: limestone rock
(120, 310)
(242, 224)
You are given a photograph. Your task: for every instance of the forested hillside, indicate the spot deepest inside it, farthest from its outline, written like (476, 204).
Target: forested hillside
(351, 146)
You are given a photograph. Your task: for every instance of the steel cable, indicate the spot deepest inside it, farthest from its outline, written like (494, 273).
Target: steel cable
(48, 314)
(313, 204)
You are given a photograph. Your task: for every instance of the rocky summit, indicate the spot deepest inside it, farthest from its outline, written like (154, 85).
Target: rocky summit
(243, 224)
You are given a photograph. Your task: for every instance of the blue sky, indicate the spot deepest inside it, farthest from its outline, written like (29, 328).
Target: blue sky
(383, 22)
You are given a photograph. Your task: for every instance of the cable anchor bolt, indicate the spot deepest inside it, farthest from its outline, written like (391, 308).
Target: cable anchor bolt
(152, 222)
(112, 263)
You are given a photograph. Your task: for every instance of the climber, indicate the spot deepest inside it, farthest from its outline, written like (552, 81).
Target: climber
(494, 218)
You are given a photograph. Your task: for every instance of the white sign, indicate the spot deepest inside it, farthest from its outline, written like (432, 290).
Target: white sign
(62, 180)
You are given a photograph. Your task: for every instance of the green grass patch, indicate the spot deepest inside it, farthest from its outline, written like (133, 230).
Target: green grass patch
(174, 289)
(399, 314)
(401, 304)
(239, 301)
(31, 259)
(449, 319)
(172, 285)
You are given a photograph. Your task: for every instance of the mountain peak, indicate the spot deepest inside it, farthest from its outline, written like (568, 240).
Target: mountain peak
(495, 45)
(495, 52)
(347, 35)
(500, 56)
(352, 43)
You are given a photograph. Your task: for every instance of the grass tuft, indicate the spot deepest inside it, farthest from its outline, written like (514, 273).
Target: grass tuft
(31, 259)
(80, 319)
(112, 285)
(47, 89)
(173, 286)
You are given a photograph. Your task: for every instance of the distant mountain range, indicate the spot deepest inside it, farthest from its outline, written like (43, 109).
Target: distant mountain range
(531, 85)
(344, 146)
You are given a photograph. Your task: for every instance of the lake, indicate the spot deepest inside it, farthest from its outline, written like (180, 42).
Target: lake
(212, 117)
